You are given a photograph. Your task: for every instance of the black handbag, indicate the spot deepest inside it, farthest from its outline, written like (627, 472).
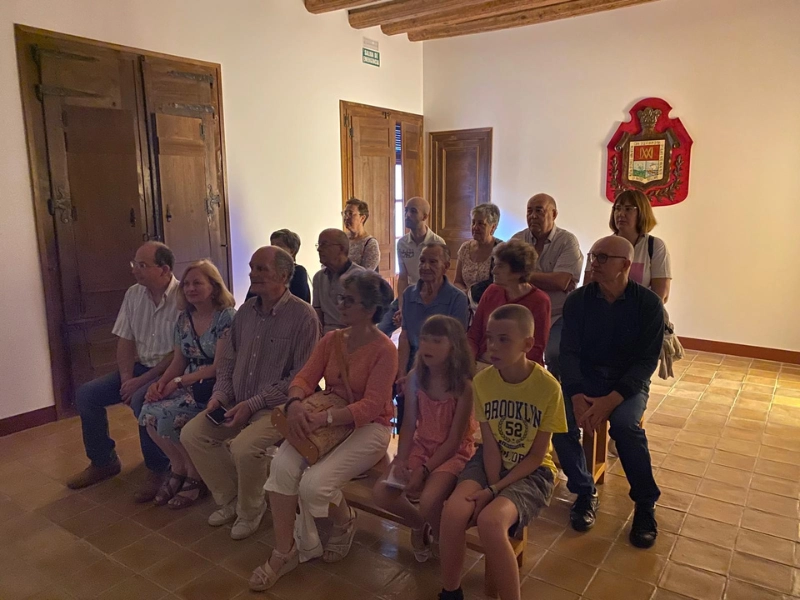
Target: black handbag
(201, 390)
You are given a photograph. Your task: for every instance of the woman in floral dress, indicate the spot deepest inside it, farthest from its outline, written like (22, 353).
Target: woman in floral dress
(184, 389)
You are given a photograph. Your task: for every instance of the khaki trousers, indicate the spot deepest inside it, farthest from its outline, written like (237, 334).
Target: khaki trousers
(237, 469)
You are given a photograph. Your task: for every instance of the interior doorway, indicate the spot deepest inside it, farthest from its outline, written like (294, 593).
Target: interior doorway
(124, 146)
(382, 164)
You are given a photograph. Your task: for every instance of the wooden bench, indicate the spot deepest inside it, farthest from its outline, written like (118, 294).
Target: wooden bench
(595, 447)
(358, 494)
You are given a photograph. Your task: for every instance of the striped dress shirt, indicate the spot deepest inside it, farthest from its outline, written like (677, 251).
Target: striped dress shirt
(265, 351)
(151, 327)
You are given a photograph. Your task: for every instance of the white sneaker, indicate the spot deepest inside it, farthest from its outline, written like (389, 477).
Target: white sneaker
(224, 515)
(244, 528)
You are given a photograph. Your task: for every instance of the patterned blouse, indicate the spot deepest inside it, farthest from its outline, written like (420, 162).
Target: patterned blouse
(473, 272)
(184, 337)
(365, 253)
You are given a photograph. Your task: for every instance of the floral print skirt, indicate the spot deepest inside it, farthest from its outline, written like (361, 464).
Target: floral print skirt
(168, 416)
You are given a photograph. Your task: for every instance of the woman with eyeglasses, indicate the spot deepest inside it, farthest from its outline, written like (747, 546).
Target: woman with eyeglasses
(364, 249)
(632, 218)
(359, 364)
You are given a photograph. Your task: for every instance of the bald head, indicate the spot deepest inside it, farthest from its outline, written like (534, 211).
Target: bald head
(335, 237)
(333, 247)
(614, 245)
(541, 215)
(610, 260)
(271, 270)
(417, 212)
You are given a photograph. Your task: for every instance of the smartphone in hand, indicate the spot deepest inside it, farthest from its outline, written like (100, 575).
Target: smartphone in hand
(217, 416)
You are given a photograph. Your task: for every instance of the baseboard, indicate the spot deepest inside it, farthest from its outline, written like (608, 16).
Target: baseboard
(27, 420)
(775, 354)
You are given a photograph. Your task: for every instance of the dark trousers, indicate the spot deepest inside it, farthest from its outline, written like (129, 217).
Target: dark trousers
(386, 325)
(92, 399)
(631, 447)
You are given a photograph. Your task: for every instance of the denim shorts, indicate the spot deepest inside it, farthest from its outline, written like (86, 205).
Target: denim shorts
(529, 495)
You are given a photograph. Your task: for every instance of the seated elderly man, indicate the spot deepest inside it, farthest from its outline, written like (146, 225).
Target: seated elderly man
(271, 338)
(433, 294)
(612, 336)
(144, 329)
(333, 248)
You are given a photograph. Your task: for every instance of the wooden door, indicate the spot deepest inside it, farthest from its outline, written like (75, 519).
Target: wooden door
(461, 173)
(375, 141)
(96, 196)
(191, 209)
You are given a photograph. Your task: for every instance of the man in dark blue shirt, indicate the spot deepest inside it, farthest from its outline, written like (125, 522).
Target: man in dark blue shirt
(613, 331)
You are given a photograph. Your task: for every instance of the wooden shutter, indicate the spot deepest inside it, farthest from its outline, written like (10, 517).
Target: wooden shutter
(461, 171)
(373, 179)
(412, 157)
(183, 104)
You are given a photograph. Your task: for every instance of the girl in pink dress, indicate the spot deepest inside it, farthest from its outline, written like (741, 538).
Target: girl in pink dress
(436, 436)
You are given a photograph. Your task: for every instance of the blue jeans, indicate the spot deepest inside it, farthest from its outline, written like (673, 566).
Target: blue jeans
(91, 401)
(552, 351)
(631, 447)
(386, 325)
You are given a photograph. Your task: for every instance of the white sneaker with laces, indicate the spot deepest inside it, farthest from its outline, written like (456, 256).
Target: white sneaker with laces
(223, 515)
(244, 528)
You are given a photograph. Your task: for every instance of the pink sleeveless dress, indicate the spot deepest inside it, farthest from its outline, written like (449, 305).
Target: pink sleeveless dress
(434, 420)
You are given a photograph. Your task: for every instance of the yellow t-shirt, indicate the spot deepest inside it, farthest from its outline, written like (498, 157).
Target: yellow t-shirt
(516, 411)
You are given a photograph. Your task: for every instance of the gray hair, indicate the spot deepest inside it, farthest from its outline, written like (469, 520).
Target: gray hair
(375, 292)
(445, 249)
(288, 238)
(488, 211)
(284, 263)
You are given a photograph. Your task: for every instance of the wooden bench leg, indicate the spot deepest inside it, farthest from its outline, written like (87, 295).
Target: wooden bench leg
(595, 448)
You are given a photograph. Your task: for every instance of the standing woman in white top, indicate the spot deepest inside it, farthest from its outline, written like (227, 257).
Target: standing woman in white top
(364, 249)
(632, 218)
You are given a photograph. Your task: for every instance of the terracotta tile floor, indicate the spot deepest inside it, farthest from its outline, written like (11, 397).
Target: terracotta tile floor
(725, 437)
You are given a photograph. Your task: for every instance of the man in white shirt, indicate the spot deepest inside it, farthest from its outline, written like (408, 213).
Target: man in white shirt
(145, 329)
(558, 267)
(409, 247)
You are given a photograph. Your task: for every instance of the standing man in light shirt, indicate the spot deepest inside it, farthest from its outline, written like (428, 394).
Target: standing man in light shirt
(409, 248)
(145, 326)
(271, 338)
(333, 247)
(558, 269)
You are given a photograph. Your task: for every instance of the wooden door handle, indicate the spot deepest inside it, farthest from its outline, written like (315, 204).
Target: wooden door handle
(133, 218)
(169, 214)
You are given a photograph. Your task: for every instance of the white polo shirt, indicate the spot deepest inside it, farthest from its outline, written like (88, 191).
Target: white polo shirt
(151, 327)
(408, 252)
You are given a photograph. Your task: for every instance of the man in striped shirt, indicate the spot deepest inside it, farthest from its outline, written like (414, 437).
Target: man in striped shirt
(145, 327)
(271, 338)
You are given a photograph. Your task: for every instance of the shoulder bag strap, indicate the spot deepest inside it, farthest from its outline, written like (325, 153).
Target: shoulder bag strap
(651, 242)
(340, 356)
(197, 338)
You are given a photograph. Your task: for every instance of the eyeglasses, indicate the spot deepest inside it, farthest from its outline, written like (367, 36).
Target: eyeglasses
(348, 213)
(326, 244)
(345, 301)
(139, 265)
(625, 208)
(602, 258)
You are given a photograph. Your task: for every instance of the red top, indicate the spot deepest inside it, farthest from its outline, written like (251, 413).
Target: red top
(494, 297)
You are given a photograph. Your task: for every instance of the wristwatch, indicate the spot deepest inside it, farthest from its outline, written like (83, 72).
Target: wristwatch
(330, 418)
(178, 381)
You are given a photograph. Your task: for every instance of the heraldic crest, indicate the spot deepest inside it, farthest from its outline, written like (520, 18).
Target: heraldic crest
(650, 153)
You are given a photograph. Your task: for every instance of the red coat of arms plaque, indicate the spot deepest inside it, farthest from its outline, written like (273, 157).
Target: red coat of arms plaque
(650, 153)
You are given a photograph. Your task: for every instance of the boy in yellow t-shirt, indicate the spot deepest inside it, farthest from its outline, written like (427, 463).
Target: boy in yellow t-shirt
(510, 479)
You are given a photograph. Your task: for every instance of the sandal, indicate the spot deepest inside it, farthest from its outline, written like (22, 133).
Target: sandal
(421, 541)
(264, 577)
(189, 485)
(338, 545)
(166, 492)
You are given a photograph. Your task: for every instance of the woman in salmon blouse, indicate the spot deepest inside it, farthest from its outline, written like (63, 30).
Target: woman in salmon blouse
(371, 365)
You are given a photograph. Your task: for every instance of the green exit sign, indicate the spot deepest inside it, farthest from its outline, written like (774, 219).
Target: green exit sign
(371, 57)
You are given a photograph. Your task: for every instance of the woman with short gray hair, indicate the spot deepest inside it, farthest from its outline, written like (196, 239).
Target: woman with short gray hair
(475, 256)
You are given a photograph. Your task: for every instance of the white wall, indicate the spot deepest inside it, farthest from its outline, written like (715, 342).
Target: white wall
(283, 73)
(555, 92)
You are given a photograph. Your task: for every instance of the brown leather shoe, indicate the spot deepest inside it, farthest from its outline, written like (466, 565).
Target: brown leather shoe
(148, 490)
(92, 474)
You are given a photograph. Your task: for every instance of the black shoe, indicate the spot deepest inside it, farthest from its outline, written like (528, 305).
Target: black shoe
(451, 595)
(584, 512)
(644, 529)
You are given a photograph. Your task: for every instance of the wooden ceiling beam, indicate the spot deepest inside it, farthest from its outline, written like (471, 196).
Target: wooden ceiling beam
(322, 6)
(481, 10)
(572, 8)
(396, 10)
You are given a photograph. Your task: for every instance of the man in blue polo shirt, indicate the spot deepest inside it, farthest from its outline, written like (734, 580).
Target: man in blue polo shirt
(432, 295)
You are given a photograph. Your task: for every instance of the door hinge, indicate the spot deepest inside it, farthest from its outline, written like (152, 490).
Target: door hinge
(212, 200)
(202, 131)
(63, 204)
(351, 132)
